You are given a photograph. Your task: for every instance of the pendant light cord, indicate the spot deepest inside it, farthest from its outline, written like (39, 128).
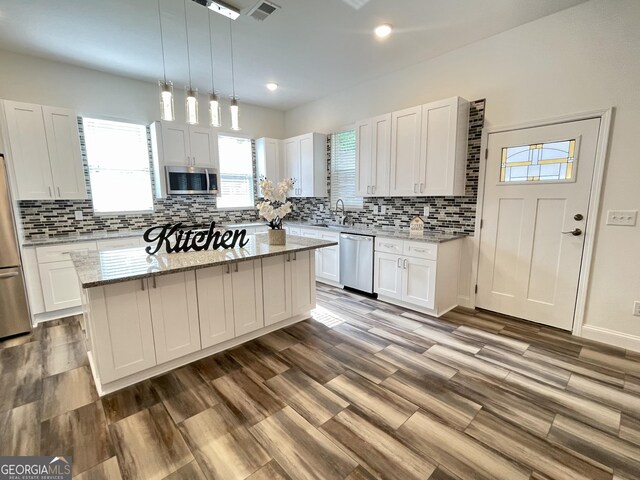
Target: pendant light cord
(233, 76)
(164, 65)
(213, 90)
(186, 29)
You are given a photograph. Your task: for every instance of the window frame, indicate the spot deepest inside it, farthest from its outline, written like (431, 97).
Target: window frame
(254, 193)
(152, 179)
(343, 129)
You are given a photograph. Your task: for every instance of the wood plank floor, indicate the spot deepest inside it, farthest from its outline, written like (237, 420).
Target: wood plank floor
(362, 390)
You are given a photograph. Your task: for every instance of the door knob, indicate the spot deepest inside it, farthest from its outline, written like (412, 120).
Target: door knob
(576, 232)
(578, 216)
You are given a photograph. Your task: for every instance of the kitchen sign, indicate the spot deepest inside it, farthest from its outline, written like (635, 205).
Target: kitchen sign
(178, 239)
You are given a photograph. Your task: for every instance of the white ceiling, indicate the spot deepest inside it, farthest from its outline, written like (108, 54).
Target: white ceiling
(311, 48)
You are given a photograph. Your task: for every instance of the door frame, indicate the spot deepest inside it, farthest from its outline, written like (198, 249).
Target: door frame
(602, 149)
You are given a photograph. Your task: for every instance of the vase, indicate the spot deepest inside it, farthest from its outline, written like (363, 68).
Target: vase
(277, 237)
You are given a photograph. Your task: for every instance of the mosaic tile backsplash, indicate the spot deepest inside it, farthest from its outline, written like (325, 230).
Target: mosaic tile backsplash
(52, 218)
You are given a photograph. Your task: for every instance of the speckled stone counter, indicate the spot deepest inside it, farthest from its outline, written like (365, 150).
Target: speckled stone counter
(87, 237)
(96, 268)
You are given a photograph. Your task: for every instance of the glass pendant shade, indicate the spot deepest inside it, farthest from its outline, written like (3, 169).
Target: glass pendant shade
(191, 106)
(166, 101)
(235, 120)
(214, 110)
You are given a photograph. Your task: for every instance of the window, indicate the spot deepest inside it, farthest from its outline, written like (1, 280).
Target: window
(540, 162)
(236, 172)
(119, 169)
(343, 169)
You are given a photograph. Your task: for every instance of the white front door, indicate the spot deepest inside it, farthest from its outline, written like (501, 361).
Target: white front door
(536, 196)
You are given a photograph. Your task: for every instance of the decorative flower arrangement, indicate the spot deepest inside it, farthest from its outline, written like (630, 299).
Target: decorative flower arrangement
(275, 205)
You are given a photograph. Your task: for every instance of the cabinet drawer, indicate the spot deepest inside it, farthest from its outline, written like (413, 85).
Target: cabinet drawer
(58, 253)
(421, 250)
(119, 243)
(293, 231)
(310, 233)
(388, 245)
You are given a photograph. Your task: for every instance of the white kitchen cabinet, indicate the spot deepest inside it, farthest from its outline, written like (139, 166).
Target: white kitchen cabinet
(405, 160)
(117, 243)
(328, 264)
(60, 288)
(246, 284)
(373, 156)
(303, 276)
(443, 159)
(215, 305)
(175, 146)
(44, 152)
(174, 315)
(418, 275)
(203, 144)
(121, 329)
(305, 161)
(269, 160)
(276, 287)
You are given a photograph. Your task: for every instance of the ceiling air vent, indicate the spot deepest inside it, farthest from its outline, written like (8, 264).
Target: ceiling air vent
(262, 10)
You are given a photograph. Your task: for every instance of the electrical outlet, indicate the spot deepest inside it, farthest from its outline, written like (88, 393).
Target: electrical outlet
(79, 215)
(321, 207)
(636, 308)
(383, 209)
(425, 211)
(625, 218)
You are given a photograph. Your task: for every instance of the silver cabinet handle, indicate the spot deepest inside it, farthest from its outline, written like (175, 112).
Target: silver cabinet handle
(295, 256)
(50, 193)
(288, 257)
(415, 188)
(373, 189)
(228, 268)
(368, 189)
(8, 275)
(236, 266)
(194, 160)
(154, 283)
(404, 264)
(59, 194)
(142, 284)
(389, 245)
(421, 250)
(399, 262)
(421, 187)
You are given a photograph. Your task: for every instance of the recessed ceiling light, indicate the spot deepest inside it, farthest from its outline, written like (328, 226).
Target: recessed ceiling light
(273, 86)
(383, 31)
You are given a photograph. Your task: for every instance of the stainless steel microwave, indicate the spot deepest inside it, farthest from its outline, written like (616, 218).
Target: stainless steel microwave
(191, 181)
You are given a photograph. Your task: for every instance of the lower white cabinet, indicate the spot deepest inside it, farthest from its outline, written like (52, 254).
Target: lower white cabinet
(215, 305)
(327, 259)
(174, 313)
(121, 329)
(276, 273)
(421, 275)
(246, 285)
(303, 276)
(60, 288)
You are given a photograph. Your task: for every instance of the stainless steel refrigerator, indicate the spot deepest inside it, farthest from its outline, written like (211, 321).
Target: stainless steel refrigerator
(14, 309)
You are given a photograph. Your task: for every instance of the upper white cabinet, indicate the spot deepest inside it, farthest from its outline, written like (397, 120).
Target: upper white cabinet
(305, 161)
(45, 152)
(373, 154)
(269, 159)
(443, 151)
(182, 145)
(405, 152)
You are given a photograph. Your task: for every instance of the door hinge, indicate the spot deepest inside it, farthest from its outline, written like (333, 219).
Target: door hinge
(486, 153)
(476, 289)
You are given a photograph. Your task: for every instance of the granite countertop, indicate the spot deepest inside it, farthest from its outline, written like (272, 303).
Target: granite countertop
(83, 237)
(96, 268)
(382, 232)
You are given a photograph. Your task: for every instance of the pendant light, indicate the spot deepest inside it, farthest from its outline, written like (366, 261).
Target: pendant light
(214, 104)
(191, 94)
(235, 114)
(166, 88)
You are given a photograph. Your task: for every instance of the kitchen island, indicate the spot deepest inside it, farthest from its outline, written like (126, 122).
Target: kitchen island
(148, 314)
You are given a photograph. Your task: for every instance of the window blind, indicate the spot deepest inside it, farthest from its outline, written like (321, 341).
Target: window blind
(343, 169)
(119, 169)
(236, 172)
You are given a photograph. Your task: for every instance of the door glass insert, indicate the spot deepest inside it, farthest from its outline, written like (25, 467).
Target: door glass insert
(539, 162)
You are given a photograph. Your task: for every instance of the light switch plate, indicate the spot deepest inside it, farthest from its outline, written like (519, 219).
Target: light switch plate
(425, 211)
(383, 209)
(636, 308)
(625, 218)
(79, 215)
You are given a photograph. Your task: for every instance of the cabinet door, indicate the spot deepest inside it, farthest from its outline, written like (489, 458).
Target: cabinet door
(328, 267)
(387, 278)
(29, 151)
(60, 286)
(276, 287)
(215, 305)
(121, 329)
(175, 144)
(405, 152)
(380, 155)
(419, 282)
(303, 282)
(174, 313)
(292, 163)
(268, 159)
(364, 158)
(61, 127)
(439, 123)
(246, 278)
(204, 147)
(307, 166)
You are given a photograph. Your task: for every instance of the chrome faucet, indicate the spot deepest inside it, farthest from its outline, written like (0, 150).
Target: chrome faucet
(344, 217)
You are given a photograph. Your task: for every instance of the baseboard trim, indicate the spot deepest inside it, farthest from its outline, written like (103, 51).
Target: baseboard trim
(55, 315)
(611, 337)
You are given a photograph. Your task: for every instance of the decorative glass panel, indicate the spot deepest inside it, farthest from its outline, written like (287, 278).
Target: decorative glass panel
(540, 162)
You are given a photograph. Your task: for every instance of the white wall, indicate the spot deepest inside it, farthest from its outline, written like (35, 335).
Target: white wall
(91, 92)
(580, 59)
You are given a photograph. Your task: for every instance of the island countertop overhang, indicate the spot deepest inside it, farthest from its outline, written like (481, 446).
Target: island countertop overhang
(98, 268)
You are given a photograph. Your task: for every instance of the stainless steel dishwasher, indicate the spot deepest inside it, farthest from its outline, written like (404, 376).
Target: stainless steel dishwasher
(356, 261)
